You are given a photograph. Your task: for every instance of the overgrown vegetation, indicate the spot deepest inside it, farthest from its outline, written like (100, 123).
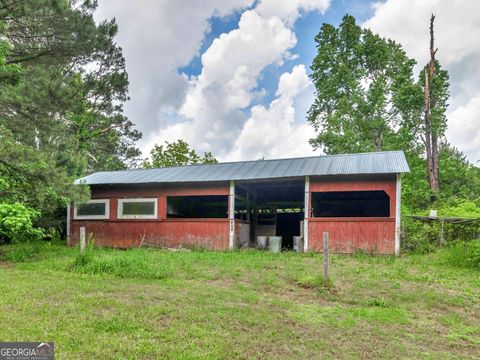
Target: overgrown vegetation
(240, 304)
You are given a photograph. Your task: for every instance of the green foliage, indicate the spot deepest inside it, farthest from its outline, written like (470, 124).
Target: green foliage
(425, 236)
(175, 154)
(367, 99)
(365, 91)
(63, 85)
(9, 73)
(16, 223)
(464, 254)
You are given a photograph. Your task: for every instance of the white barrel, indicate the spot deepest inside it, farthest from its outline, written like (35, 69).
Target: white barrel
(275, 243)
(298, 243)
(262, 242)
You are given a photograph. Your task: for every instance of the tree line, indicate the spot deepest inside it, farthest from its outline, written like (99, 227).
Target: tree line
(63, 84)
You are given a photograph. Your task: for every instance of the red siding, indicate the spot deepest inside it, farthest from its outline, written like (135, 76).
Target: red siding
(375, 235)
(206, 233)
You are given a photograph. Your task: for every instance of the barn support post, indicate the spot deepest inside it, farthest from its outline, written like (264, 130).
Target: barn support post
(306, 213)
(68, 223)
(231, 216)
(398, 195)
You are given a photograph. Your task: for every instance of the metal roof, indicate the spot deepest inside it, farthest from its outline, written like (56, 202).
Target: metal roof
(387, 162)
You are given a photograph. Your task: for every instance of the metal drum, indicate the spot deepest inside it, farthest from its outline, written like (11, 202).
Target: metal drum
(275, 243)
(262, 242)
(298, 243)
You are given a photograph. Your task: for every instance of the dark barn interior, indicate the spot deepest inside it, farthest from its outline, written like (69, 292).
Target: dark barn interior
(272, 208)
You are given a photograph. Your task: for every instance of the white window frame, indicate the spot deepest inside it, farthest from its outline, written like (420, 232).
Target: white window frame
(93, 217)
(134, 200)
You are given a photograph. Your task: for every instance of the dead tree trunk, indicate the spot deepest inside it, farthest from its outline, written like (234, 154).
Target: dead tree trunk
(431, 136)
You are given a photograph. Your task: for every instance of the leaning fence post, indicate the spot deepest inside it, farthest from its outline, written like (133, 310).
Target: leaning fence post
(326, 277)
(82, 240)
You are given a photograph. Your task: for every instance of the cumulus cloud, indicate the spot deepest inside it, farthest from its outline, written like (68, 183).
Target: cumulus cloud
(157, 38)
(457, 28)
(216, 99)
(464, 126)
(272, 131)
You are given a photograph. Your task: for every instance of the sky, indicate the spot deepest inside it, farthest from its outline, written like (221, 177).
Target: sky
(232, 76)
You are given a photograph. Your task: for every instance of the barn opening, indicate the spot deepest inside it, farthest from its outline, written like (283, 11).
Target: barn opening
(271, 208)
(197, 206)
(374, 203)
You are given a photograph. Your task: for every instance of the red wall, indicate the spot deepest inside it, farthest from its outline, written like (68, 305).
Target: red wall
(346, 235)
(206, 233)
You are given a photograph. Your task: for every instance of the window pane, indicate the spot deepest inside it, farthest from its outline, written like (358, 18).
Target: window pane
(208, 206)
(91, 209)
(351, 204)
(138, 208)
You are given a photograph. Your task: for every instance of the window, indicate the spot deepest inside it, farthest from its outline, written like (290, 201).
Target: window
(206, 206)
(351, 204)
(137, 208)
(97, 209)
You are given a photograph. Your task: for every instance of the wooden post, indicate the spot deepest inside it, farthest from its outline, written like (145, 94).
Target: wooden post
(326, 276)
(68, 223)
(398, 200)
(231, 216)
(82, 240)
(306, 213)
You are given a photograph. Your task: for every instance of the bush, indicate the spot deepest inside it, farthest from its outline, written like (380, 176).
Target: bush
(16, 223)
(424, 236)
(464, 254)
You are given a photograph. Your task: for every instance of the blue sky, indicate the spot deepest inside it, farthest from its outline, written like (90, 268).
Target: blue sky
(306, 28)
(231, 76)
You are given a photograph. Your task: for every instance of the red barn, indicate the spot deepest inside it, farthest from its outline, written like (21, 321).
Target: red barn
(355, 197)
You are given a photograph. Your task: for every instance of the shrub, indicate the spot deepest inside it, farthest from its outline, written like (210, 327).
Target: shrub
(16, 223)
(462, 254)
(424, 236)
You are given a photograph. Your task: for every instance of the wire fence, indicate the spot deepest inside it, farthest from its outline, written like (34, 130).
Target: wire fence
(424, 231)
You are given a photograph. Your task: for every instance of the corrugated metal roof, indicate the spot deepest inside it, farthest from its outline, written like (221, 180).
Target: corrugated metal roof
(366, 163)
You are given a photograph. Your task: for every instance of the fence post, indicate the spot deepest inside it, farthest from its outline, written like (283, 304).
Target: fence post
(326, 262)
(82, 240)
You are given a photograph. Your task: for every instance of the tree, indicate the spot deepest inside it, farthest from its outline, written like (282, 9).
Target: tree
(436, 94)
(365, 91)
(63, 83)
(176, 153)
(73, 85)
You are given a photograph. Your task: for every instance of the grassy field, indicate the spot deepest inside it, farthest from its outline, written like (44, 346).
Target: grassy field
(151, 304)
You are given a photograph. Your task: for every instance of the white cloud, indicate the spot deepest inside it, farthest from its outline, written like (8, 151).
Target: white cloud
(457, 30)
(457, 26)
(231, 67)
(272, 132)
(157, 38)
(464, 128)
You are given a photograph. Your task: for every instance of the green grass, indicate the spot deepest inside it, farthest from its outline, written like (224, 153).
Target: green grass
(148, 304)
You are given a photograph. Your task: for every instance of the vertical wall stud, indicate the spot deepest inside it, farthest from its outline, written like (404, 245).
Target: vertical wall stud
(68, 223)
(398, 195)
(306, 213)
(231, 216)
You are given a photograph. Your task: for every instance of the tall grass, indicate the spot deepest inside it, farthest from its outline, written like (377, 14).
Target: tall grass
(464, 254)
